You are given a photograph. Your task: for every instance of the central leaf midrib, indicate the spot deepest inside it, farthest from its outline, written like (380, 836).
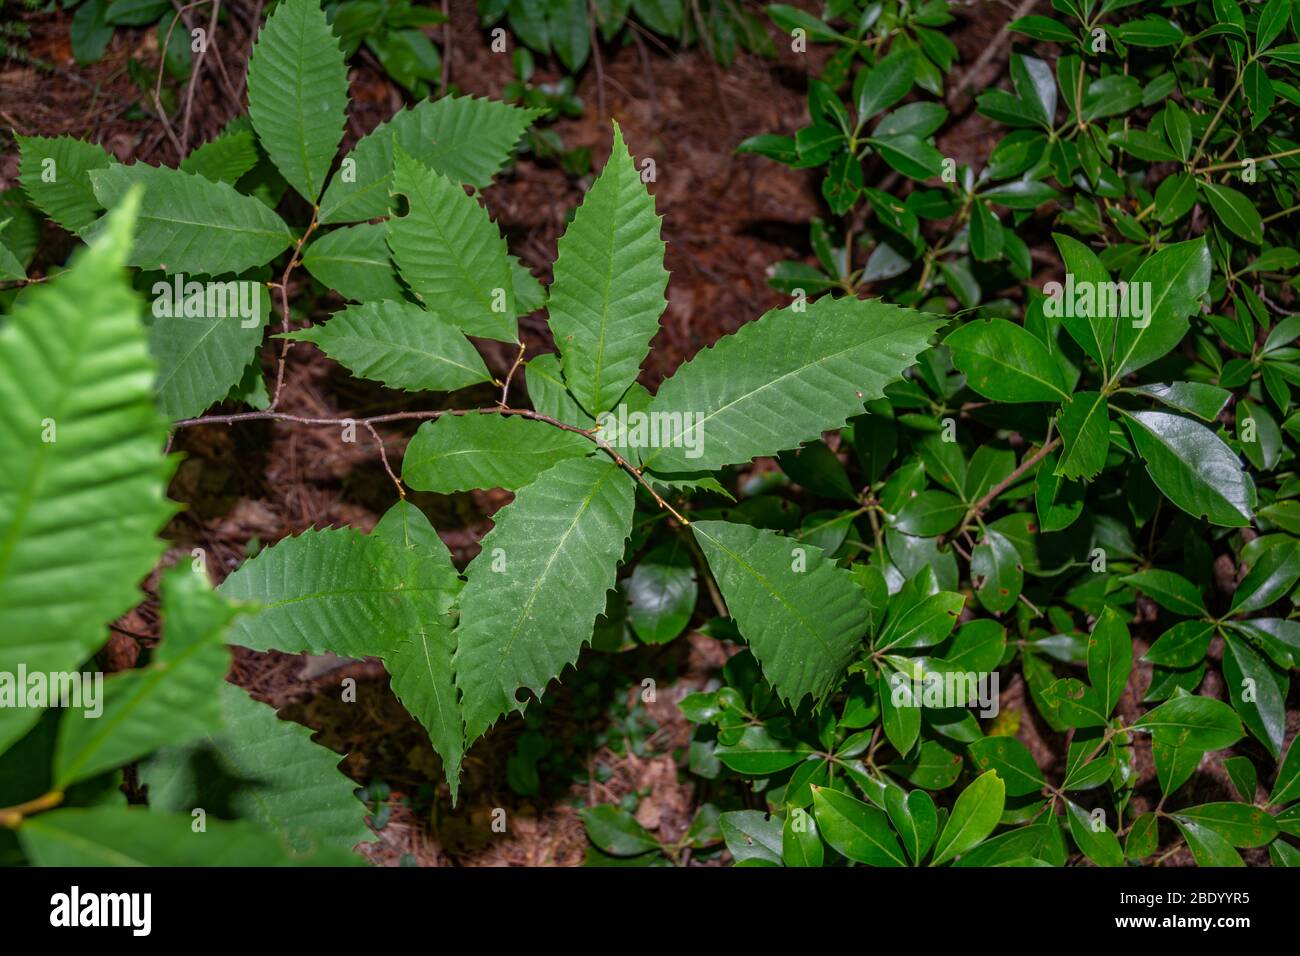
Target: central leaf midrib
(522, 617)
(823, 360)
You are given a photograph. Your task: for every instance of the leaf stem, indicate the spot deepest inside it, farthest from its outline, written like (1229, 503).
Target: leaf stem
(11, 817)
(1200, 147)
(1236, 163)
(978, 507)
(368, 423)
(285, 344)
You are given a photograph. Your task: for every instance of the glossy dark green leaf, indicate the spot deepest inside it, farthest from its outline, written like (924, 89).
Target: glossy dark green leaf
(1193, 467)
(1145, 146)
(974, 816)
(1034, 84)
(1020, 194)
(1196, 398)
(855, 829)
(1178, 130)
(985, 234)
(1172, 282)
(1260, 438)
(1093, 837)
(933, 766)
(1012, 761)
(1271, 577)
(909, 154)
(790, 18)
(1074, 703)
(915, 818)
(1005, 363)
(780, 148)
(752, 836)
(1175, 197)
(1235, 210)
(1258, 692)
(1150, 31)
(886, 83)
(1094, 332)
(1084, 424)
(801, 843)
(1283, 854)
(1199, 722)
(1110, 658)
(1088, 764)
(1244, 777)
(1058, 501)
(661, 593)
(929, 513)
(920, 119)
(997, 572)
(989, 466)
(1040, 843)
(945, 462)
(900, 709)
(1207, 846)
(1240, 824)
(924, 624)
(1042, 28)
(1170, 590)
(1143, 838)
(758, 753)
(1272, 21)
(616, 831)
(1183, 645)
(1286, 788)
(977, 646)
(818, 470)
(1110, 96)
(1176, 759)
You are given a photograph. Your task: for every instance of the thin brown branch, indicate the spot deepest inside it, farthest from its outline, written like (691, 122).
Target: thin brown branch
(446, 46)
(195, 73)
(284, 306)
(959, 89)
(589, 433)
(383, 457)
(504, 401)
(1030, 461)
(595, 58)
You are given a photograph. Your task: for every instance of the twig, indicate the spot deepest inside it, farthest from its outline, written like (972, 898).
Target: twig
(978, 507)
(589, 433)
(1030, 604)
(1205, 137)
(383, 456)
(284, 306)
(162, 59)
(253, 24)
(505, 386)
(446, 46)
(194, 78)
(702, 566)
(595, 58)
(1003, 37)
(647, 74)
